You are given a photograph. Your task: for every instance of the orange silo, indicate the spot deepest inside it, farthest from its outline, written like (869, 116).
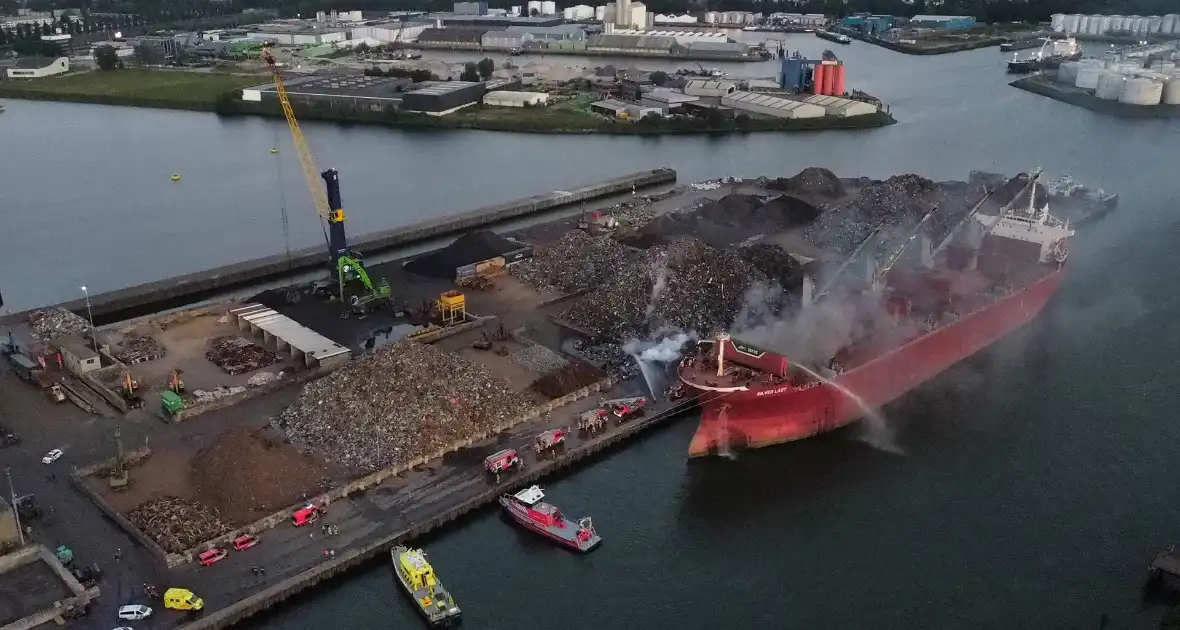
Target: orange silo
(818, 78)
(837, 83)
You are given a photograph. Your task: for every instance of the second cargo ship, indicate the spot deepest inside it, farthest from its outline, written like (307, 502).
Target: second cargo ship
(989, 276)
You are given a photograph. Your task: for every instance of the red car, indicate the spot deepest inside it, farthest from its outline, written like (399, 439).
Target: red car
(308, 514)
(213, 555)
(245, 541)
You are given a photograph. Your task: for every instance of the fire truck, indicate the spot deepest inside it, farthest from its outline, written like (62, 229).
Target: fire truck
(626, 408)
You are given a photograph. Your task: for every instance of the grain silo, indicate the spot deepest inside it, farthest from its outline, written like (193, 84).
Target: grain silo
(1057, 22)
(1141, 91)
(1140, 25)
(1154, 23)
(1110, 86)
(1095, 26)
(1171, 24)
(1070, 23)
(1107, 24)
(1083, 24)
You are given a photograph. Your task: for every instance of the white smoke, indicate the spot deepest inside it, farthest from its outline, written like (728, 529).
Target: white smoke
(664, 347)
(659, 283)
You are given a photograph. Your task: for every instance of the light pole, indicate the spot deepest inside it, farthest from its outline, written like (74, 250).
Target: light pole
(90, 316)
(15, 514)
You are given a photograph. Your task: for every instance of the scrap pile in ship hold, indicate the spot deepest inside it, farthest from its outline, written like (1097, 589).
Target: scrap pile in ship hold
(398, 403)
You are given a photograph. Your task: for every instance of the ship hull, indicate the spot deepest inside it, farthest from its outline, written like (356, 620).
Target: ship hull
(767, 416)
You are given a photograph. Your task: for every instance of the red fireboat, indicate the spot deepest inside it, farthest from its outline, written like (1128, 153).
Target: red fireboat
(529, 510)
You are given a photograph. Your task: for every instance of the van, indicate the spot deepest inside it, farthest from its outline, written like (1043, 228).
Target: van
(182, 599)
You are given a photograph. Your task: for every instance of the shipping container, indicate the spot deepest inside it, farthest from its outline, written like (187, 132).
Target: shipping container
(492, 265)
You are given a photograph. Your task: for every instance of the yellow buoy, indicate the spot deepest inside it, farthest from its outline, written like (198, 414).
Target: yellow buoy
(175, 177)
(274, 150)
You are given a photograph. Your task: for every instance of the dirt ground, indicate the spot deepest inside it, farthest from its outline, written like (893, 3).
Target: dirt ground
(245, 474)
(186, 336)
(517, 377)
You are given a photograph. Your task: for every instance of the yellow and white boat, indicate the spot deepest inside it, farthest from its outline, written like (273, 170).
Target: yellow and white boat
(422, 585)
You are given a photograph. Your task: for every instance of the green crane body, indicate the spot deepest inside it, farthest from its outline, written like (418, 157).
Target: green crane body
(346, 265)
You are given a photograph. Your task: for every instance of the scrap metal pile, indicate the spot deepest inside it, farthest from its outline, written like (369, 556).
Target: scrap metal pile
(138, 349)
(814, 181)
(398, 403)
(55, 323)
(177, 524)
(894, 205)
(566, 380)
(577, 262)
(236, 355)
(246, 475)
(686, 285)
(609, 355)
(538, 359)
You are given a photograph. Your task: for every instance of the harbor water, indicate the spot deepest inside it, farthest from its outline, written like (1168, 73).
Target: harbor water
(1034, 480)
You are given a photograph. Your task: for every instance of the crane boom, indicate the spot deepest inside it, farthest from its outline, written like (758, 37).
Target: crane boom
(330, 209)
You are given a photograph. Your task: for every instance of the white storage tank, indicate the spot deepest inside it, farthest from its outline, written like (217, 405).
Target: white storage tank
(1107, 24)
(1162, 66)
(1140, 26)
(1140, 91)
(1057, 22)
(1083, 24)
(1110, 86)
(1067, 73)
(1095, 25)
(1071, 23)
(1154, 23)
(1088, 76)
(548, 7)
(1171, 95)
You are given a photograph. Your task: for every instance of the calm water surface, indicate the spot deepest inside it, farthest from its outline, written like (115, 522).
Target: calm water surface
(1036, 479)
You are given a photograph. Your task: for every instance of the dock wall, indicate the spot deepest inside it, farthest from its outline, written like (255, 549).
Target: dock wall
(180, 290)
(1042, 85)
(250, 606)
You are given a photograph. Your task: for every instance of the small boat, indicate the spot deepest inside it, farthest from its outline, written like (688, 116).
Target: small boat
(421, 584)
(527, 508)
(175, 177)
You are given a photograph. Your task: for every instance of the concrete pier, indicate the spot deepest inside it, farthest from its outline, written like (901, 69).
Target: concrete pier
(181, 290)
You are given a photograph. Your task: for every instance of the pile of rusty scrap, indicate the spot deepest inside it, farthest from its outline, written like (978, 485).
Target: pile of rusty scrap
(56, 322)
(177, 524)
(139, 349)
(236, 355)
(566, 380)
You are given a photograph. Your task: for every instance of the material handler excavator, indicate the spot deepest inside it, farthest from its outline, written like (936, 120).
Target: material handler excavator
(344, 265)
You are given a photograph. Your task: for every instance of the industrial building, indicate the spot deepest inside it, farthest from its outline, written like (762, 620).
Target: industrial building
(38, 67)
(627, 44)
(718, 49)
(1125, 81)
(1078, 24)
(457, 37)
(562, 32)
(78, 355)
(578, 13)
(710, 92)
(439, 98)
(942, 21)
(494, 21)
(299, 33)
(386, 32)
(620, 109)
(661, 18)
(684, 38)
(624, 14)
(871, 25)
(505, 98)
(772, 106)
(840, 107)
(668, 101)
(801, 20)
(374, 93)
(471, 8)
(732, 17)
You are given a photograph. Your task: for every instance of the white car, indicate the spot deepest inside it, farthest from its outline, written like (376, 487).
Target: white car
(124, 628)
(134, 612)
(51, 456)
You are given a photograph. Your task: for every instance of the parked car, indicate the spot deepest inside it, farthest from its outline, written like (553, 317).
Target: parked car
(52, 456)
(134, 612)
(213, 555)
(245, 541)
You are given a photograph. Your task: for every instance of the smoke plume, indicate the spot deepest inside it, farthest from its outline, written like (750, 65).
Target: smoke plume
(664, 347)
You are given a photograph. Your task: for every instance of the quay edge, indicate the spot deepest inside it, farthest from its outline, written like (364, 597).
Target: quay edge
(182, 290)
(255, 604)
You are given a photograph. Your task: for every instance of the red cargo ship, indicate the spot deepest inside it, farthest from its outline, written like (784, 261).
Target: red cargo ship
(991, 275)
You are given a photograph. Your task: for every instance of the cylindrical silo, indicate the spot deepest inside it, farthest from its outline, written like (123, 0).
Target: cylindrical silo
(1171, 95)
(837, 81)
(817, 79)
(1154, 23)
(1083, 24)
(1087, 77)
(1071, 23)
(1095, 24)
(1110, 86)
(1169, 24)
(1057, 21)
(1140, 26)
(1163, 66)
(1116, 23)
(1123, 25)
(1140, 91)
(1067, 73)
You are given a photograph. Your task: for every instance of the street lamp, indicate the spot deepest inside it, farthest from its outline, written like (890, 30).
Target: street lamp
(90, 315)
(15, 513)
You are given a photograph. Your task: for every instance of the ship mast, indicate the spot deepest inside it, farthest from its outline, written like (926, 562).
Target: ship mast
(847, 261)
(904, 246)
(950, 236)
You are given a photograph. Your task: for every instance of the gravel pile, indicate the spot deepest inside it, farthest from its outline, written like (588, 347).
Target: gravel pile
(55, 323)
(811, 181)
(538, 359)
(895, 205)
(177, 524)
(247, 476)
(470, 248)
(727, 221)
(396, 404)
(775, 263)
(577, 262)
(687, 285)
(139, 348)
(611, 357)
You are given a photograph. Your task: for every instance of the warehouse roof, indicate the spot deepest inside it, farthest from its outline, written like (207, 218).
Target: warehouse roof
(709, 88)
(837, 106)
(632, 41)
(727, 47)
(34, 63)
(765, 101)
(299, 337)
(939, 18)
(352, 86)
(441, 87)
(670, 97)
